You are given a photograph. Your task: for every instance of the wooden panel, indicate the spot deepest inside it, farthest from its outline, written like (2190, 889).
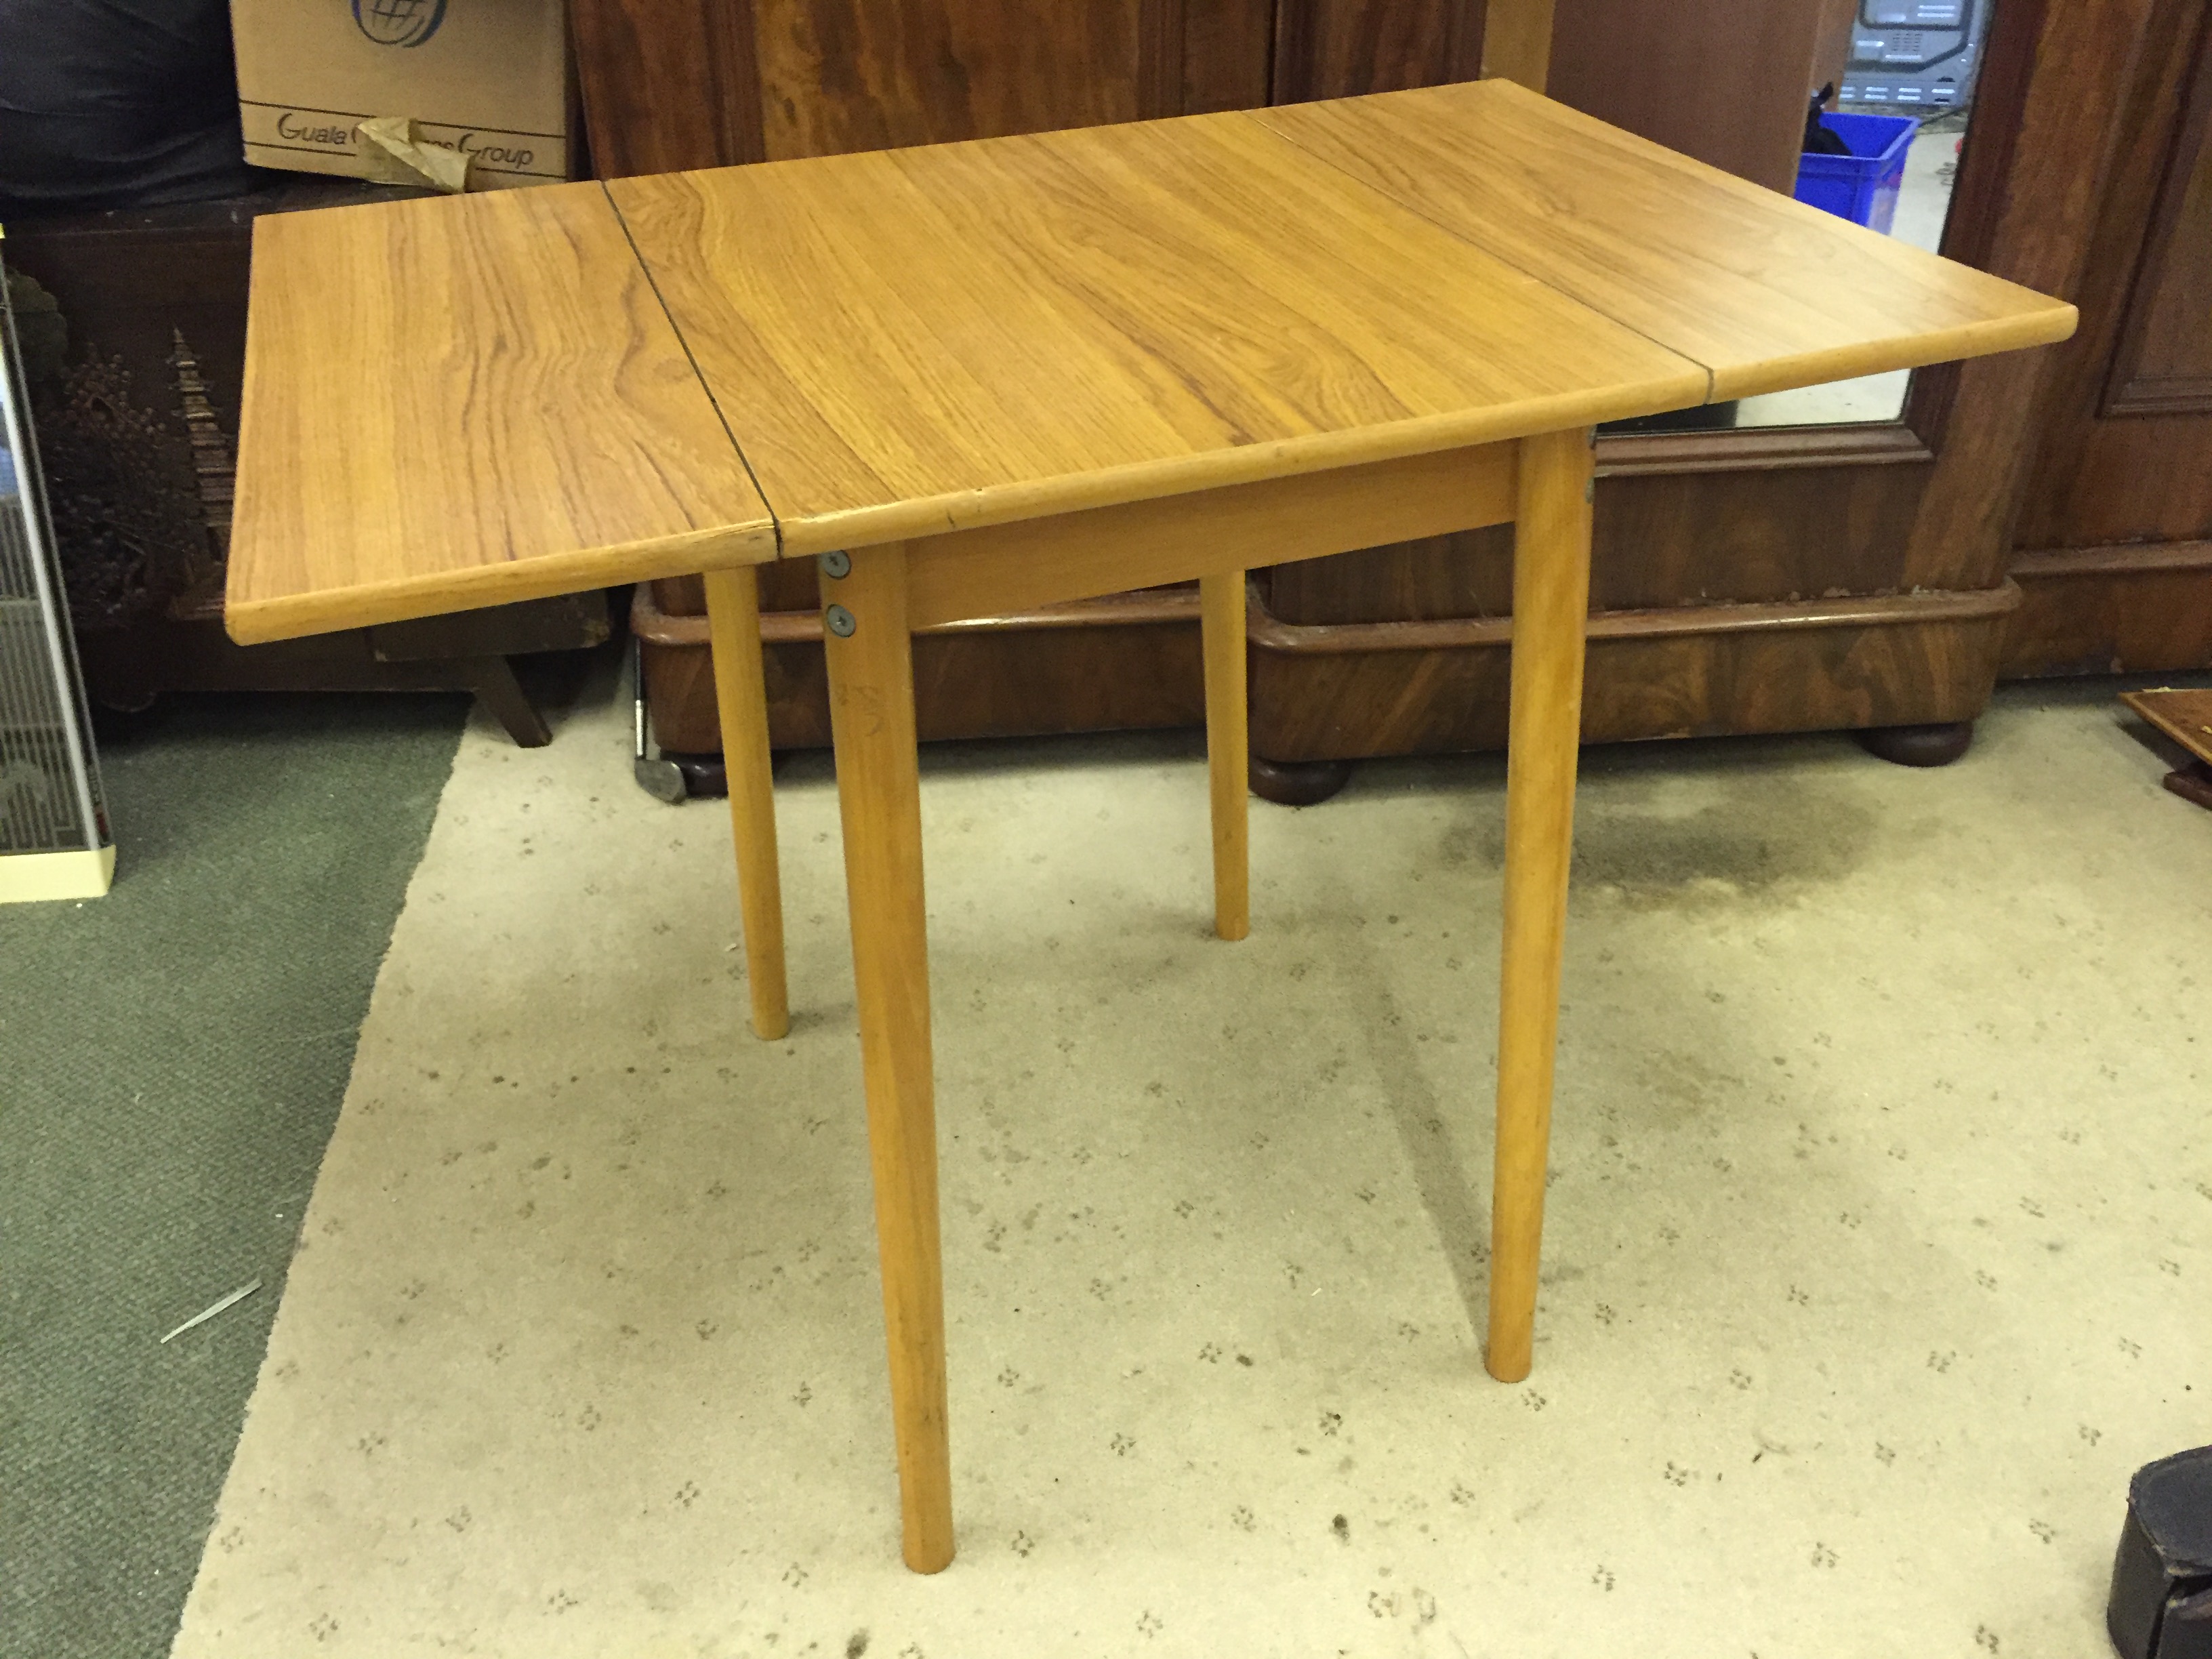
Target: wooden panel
(1414, 687)
(1226, 45)
(1831, 44)
(1517, 46)
(2120, 510)
(668, 84)
(1045, 324)
(2096, 481)
(855, 75)
(1469, 573)
(1161, 38)
(1717, 81)
(2165, 360)
(1761, 537)
(2145, 478)
(1718, 269)
(1128, 662)
(1662, 539)
(1723, 83)
(1075, 556)
(2144, 608)
(457, 402)
(674, 84)
(2021, 207)
(1344, 48)
(788, 585)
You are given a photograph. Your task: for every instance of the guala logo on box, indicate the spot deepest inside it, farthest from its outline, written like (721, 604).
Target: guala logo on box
(399, 22)
(299, 128)
(492, 151)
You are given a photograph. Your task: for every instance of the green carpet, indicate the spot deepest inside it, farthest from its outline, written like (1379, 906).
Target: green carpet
(172, 1059)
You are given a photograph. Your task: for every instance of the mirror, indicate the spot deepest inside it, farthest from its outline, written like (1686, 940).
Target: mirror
(1909, 62)
(1879, 143)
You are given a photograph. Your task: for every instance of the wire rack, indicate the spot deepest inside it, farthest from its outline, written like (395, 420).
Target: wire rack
(50, 794)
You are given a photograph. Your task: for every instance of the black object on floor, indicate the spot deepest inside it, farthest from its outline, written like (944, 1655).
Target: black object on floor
(2161, 1603)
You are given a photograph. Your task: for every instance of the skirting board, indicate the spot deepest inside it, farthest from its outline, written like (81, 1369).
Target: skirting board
(33, 878)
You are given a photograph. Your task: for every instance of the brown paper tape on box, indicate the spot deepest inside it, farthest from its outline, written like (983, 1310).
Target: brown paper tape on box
(393, 153)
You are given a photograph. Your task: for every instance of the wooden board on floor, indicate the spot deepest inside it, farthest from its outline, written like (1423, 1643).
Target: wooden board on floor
(2184, 716)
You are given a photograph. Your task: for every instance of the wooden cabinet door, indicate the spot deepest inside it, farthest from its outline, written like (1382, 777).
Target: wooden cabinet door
(2115, 532)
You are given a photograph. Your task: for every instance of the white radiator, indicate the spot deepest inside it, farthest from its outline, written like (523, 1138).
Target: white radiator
(54, 840)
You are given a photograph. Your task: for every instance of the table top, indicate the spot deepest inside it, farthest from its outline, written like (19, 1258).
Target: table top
(458, 402)
(463, 400)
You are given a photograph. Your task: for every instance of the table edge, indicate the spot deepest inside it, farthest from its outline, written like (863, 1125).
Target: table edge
(332, 610)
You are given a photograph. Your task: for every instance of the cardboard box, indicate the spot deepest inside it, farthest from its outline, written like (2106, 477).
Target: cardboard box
(489, 78)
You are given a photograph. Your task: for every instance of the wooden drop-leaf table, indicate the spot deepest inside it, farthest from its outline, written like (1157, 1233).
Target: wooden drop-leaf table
(976, 378)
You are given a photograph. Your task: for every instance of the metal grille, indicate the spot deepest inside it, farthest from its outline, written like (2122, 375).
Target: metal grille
(1915, 55)
(50, 795)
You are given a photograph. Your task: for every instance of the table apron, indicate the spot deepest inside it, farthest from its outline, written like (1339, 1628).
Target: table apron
(1000, 568)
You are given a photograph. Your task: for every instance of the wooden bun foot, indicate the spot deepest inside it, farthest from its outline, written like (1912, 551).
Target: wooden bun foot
(1298, 783)
(1919, 745)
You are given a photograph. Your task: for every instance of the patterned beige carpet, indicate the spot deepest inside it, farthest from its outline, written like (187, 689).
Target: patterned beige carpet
(1879, 1252)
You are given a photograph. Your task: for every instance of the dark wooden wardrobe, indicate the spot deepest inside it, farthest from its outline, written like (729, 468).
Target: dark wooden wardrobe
(1746, 580)
(2115, 532)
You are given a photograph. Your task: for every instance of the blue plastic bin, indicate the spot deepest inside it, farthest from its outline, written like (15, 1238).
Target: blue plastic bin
(1862, 186)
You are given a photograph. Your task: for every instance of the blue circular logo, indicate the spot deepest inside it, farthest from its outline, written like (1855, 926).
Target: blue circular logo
(399, 22)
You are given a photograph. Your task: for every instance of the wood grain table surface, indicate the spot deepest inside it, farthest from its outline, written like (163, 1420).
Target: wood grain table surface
(458, 402)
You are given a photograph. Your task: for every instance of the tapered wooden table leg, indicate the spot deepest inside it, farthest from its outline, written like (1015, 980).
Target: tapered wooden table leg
(741, 698)
(1221, 618)
(1550, 617)
(872, 721)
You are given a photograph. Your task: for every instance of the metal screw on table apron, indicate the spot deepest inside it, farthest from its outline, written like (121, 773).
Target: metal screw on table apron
(835, 564)
(840, 620)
